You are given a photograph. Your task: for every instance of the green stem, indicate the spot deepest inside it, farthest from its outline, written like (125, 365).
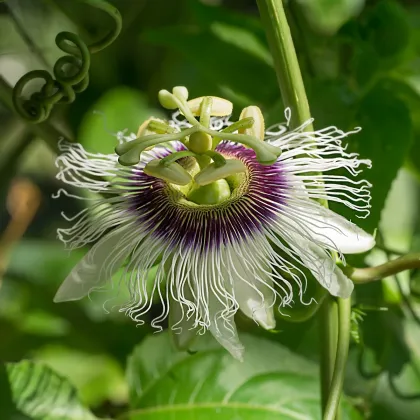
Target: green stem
(294, 96)
(328, 332)
(285, 60)
(205, 111)
(333, 402)
(45, 130)
(112, 35)
(369, 274)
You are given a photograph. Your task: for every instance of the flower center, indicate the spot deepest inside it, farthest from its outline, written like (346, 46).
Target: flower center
(213, 193)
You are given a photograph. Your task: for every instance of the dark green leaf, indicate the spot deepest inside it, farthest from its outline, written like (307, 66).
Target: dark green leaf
(272, 383)
(386, 371)
(365, 64)
(327, 16)
(230, 60)
(414, 155)
(385, 139)
(38, 393)
(389, 28)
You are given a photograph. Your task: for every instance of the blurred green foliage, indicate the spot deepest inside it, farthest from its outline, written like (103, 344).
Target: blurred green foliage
(361, 67)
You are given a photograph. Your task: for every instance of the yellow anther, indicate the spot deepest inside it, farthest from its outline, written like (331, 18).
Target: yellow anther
(159, 127)
(219, 107)
(258, 128)
(167, 100)
(181, 92)
(145, 131)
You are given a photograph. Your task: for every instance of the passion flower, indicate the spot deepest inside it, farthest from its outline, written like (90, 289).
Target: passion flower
(225, 216)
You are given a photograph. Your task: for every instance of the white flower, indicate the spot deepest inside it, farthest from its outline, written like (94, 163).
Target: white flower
(241, 252)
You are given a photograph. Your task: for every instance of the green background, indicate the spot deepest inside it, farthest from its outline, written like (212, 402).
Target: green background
(361, 67)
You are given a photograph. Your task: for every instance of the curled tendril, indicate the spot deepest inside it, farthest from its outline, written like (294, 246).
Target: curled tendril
(70, 72)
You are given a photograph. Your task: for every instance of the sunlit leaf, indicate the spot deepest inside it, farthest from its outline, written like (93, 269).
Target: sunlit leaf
(35, 392)
(97, 377)
(272, 383)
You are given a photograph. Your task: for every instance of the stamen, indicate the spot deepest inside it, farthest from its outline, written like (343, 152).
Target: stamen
(258, 128)
(220, 107)
(206, 111)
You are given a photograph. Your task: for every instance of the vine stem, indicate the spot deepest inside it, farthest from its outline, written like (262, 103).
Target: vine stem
(328, 332)
(44, 130)
(369, 274)
(286, 63)
(294, 96)
(343, 341)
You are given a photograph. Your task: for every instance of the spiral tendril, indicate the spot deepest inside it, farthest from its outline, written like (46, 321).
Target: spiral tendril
(70, 72)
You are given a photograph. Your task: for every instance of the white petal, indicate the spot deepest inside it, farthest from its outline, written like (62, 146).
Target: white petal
(224, 329)
(96, 267)
(183, 337)
(252, 287)
(322, 266)
(336, 232)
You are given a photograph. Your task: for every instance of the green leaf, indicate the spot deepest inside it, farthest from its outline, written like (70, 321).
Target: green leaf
(389, 28)
(98, 377)
(327, 16)
(230, 57)
(414, 155)
(365, 64)
(43, 262)
(272, 383)
(385, 139)
(385, 372)
(36, 392)
(332, 103)
(119, 108)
